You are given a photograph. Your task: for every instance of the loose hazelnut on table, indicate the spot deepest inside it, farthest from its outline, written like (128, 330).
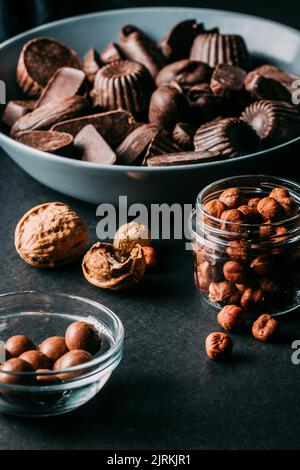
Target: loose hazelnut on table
(232, 198)
(269, 209)
(150, 256)
(264, 327)
(131, 234)
(215, 208)
(82, 335)
(221, 291)
(218, 346)
(54, 347)
(18, 344)
(235, 272)
(231, 317)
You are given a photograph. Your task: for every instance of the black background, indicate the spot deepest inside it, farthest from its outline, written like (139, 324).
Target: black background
(166, 394)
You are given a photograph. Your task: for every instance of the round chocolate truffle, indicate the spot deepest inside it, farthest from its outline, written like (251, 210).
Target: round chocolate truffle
(36, 359)
(82, 335)
(71, 359)
(53, 347)
(15, 365)
(17, 345)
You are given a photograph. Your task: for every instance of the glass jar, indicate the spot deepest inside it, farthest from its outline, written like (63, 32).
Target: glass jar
(256, 266)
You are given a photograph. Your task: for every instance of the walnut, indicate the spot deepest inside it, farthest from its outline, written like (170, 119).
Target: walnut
(253, 299)
(232, 198)
(231, 317)
(264, 327)
(215, 208)
(235, 271)
(50, 235)
(131, 234)
(108, 268)
(221, 291)
(218, 346)
(269, 209)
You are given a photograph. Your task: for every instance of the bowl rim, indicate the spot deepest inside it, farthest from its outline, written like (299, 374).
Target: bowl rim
(104, 360)
(71, 162)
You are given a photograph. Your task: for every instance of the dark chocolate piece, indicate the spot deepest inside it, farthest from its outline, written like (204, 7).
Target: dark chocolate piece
(274, 121)
(168, 106)
(161, 143)
(93, 147)
(123, 84)
(91, 64)
(197, 91)
(47, 141)
(285, 78)
(139, 47)
(183, 135)
(15, 109)
(228, 81)
(214, 49)
(65, 82)
(46, 116)
(186, 72)
(39, 60)
(111, 53)
(114, 126)
(184, 158)
(135, 144)
(176, 45)
(208, 107)
(230, 137)
(263, 88)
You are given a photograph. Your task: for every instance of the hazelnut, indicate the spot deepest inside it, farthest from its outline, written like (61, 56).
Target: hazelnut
(232, 217)
(15, 365)
(36, 359)
(231, 317)
(235, 298)
(204, 276)
(238, 250)
(221, 291)
(289, 206)
(269, 209)
(232, 198)
(235, 272)
(270, 286)
(264, 327)
(252, 203)
(279, 194)
(17, 345)
(72, 359)
(241, 288)
(54, 347)
(251, 215)
(50, 235)
(150, 256)
(266, 229)
(253, 298)
(262, 265)
(82, 335)
(218, 346)
(130, 235)
(215, 208)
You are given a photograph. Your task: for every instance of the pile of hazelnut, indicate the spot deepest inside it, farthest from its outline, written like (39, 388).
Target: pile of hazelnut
(52, 235)
(252, 268)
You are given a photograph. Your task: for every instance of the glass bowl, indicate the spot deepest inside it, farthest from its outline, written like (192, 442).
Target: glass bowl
(39, 316)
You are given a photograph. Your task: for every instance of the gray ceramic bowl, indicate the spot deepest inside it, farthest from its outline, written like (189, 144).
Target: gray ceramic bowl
(268, 41)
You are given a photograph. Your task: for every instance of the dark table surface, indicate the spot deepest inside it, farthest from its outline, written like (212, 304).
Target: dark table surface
(165, 394)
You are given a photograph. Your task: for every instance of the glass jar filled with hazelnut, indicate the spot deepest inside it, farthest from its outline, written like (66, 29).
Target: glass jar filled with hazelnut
(246, 243)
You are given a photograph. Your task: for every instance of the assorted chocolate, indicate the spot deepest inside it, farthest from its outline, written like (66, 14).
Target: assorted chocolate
(138, 102)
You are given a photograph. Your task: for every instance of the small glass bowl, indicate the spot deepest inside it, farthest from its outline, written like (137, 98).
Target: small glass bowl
(39, 316)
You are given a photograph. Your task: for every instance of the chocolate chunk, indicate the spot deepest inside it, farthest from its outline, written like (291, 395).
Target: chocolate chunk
(185, 72)
(184, 158)
(176, 45)
(39, 60)
(93, 147)
(47, 141)
(14, 110)
(114, 126)
(263, 88)
(230, 137)
(123, 84)
(285, 78)
(111, 53)
(140, 48)
(135, 144)
(274, 121)
(46, 116)
(91, 64)
(183, 135)
(65, 82)
(227, 81)
(214, 49)
(168, 106)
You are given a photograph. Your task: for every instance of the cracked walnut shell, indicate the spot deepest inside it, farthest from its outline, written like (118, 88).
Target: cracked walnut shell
(50, 235)
(106, 267)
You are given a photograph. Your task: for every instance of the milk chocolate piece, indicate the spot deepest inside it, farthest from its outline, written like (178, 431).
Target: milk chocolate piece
(91, 64)
(47, 141)
(285, 78)
(111, 53)
(135, 144)
(15, 109)
(93, 147)
(186, 72)
(176, 45)
(183, 135)
(114, 126)
(65, 82)
(227, 81)
(183, 158)
(139, 47)
(46, 116)
(263, 88)
(39, 60)
(167, 107)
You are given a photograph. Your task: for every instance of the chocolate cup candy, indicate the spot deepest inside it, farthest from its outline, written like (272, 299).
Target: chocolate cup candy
(263, 88)
(186, 72)
(40, 58)
(214, 49)
(91, 64)
(135, 144)
(274, 121)
(48, 141)
(176, 45)
(15, 109)
(111, 53)
(123, 84)
(139, 47)
(168, 106)
(93, 147)
(230, 137)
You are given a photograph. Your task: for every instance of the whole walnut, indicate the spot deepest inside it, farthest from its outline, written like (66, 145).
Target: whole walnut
(218, 346)
(264, 327)
(232, 198)
(131, 234)
(231, 317)
(50, 235)
(221, 291)
(108, 268)
(269, 209)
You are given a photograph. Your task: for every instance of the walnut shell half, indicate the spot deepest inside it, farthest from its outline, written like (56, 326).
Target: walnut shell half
(106, 267)
(50, 235)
